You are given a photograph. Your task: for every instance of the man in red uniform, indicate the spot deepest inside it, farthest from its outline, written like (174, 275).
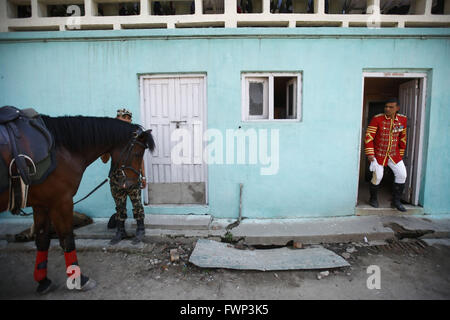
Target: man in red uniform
(385, 144)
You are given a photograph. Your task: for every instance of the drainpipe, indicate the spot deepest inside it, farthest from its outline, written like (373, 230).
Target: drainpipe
(241, 186)
(238, 221)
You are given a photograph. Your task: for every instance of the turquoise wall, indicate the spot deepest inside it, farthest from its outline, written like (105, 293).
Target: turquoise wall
(95, 72)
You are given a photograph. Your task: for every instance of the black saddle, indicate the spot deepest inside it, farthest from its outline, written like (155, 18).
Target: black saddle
(26, 148)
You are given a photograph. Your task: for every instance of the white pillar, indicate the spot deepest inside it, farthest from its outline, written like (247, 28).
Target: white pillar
(373, 7)
(266, 6)
(319, 6)
(198, 7)
(230, 8)
(144, 8)
(38, 9)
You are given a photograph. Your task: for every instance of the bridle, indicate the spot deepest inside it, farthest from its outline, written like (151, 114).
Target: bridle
(124, 161)
(125, 152)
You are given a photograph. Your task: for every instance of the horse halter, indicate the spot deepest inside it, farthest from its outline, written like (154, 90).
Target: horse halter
(125, 155)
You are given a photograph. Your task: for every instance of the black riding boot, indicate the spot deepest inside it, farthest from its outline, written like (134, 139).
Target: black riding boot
(112, 223)
(120, 233)
(140, 231)
(373, 201)
(397, 195)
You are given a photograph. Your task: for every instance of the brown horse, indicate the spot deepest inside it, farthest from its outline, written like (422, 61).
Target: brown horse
(79, 141)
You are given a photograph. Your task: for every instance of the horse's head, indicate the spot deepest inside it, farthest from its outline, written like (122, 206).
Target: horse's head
(128, 160)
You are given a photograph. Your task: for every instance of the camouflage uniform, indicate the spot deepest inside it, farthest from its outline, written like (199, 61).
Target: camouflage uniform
(120, 197)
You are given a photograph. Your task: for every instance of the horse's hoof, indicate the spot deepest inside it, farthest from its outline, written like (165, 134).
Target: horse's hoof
(90, 284)
(45, 286)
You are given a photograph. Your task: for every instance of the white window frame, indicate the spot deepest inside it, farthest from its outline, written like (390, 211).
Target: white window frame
(268, 77)
(294, 99)
(265, 82)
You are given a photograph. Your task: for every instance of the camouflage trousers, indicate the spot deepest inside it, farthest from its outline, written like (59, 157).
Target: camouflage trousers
(120, 198)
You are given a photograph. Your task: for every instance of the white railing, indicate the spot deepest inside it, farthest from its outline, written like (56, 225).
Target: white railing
(32, 15)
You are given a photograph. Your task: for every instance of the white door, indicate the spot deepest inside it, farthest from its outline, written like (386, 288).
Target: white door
(409, 106)
(174, 107)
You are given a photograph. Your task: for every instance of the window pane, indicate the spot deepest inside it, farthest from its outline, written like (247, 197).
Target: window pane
(167, 8)
(256, 93)
(291, 100)
(213, 7)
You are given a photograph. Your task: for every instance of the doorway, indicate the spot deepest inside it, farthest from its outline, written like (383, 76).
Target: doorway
(409, 88)
(174, 107)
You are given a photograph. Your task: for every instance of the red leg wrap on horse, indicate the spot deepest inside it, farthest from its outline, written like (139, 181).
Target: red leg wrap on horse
(71, 259)
(40, 268)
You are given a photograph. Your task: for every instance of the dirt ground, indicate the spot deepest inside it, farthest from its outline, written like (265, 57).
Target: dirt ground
(406, 273)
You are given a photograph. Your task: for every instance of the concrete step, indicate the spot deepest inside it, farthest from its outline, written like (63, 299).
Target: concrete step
(367, 210)
(178, 222)
(312, 231)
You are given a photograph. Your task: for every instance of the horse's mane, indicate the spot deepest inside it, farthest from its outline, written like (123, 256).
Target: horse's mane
(76, 133)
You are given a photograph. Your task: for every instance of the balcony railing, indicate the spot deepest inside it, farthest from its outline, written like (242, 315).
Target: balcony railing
(62, 15)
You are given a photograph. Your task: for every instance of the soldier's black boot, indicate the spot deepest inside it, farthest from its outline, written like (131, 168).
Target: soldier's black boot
(140, 231)
(397, 195)
(120, 233)
(373, 201)
(112, 223)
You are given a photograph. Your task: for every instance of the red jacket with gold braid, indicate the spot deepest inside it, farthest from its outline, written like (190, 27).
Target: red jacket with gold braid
(386, 138)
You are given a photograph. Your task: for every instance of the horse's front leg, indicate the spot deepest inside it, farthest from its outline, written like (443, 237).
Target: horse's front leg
(62, 218)
(42, 230)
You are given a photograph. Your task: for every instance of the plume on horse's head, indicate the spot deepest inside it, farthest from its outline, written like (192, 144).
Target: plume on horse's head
(76, 133)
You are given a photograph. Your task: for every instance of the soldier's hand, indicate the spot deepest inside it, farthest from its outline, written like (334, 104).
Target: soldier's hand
(143, 182)
(371, 158)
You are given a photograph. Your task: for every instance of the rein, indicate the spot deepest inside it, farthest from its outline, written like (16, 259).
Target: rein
(25, 214)
(95, 189)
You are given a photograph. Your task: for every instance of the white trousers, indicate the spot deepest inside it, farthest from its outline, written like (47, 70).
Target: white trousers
(399, 170)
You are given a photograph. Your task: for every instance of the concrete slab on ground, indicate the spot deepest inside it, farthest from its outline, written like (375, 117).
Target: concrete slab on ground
(213, 254)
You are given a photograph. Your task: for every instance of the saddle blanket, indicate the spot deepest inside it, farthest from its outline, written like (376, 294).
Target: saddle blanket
(25, 132)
